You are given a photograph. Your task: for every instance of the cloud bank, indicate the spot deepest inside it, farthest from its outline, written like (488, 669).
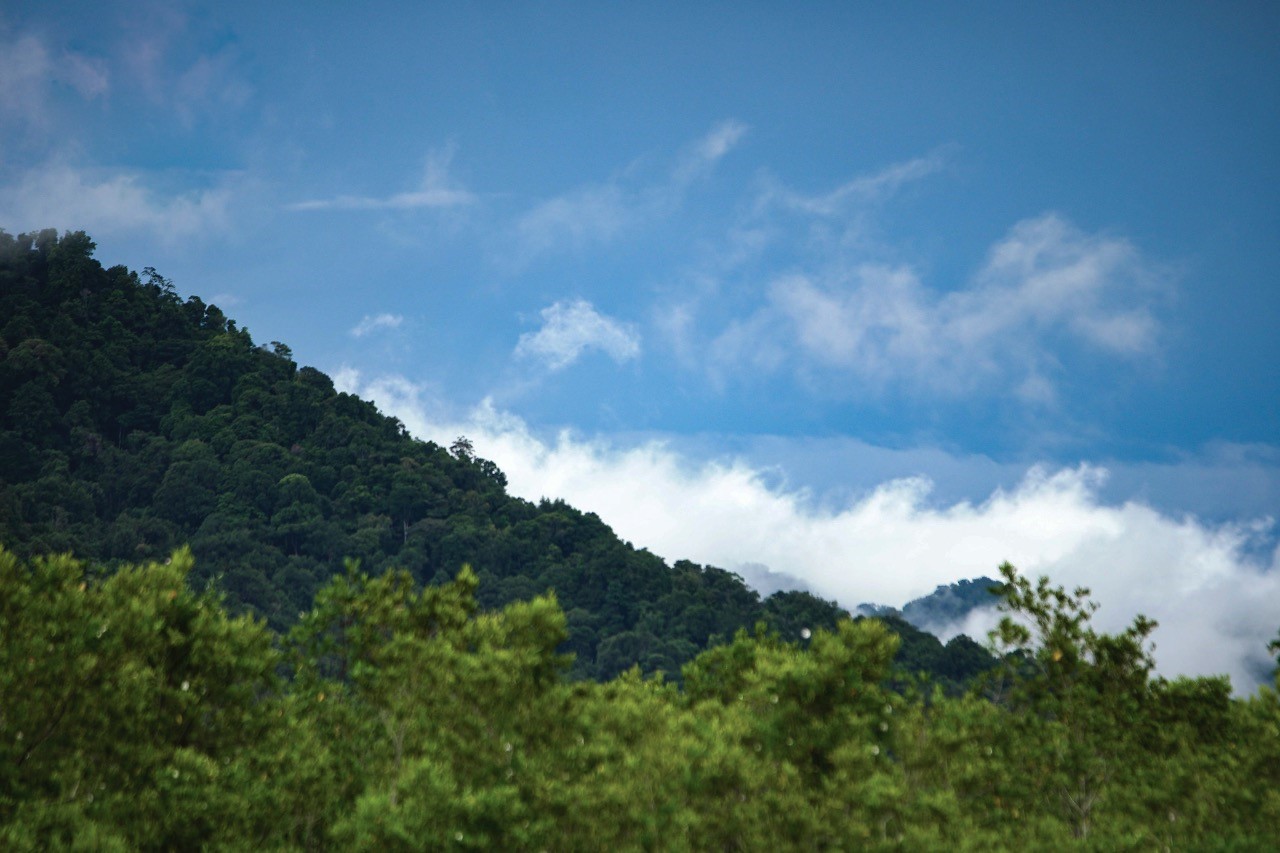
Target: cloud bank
(1217, 602)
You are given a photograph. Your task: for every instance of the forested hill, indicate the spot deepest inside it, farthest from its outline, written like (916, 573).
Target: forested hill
(947, 605)
(135, 422)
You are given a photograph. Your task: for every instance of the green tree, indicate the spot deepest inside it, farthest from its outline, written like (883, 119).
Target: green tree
(1076, 693)
(443, 708)
(124, 705)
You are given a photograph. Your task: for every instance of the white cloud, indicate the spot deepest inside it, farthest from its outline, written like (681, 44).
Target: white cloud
(754, 344)
(570, 328)
(436, 190)
(164, 53)
(598, 213)
(88, 76)
(704, 154)
(155, 56)
(859, 190)
(1047, 273)
(25, 71)
(876, 322)
(212, 81)
(151, 35)
(1218, 606)
(28, 71)
(373, 324)
(783, 229)
(720, 141)
(592, 214)
(108, 203)
(1043, 287)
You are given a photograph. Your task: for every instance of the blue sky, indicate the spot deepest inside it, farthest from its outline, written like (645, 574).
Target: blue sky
(754, 282)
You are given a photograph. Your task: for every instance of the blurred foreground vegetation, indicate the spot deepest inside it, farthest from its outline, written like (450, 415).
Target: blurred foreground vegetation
(135, 713)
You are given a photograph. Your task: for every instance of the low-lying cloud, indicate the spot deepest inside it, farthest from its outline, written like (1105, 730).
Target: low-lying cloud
(1217, 602)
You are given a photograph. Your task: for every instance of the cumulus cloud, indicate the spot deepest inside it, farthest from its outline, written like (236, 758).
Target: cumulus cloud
(436, 190)
(373, 324)
(1217, 599)
(1044, 286)
(1047, 273)
(571, 328)
(110, 202)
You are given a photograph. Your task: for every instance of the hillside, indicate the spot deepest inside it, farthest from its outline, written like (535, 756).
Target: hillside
(135, 422)
(948, 604)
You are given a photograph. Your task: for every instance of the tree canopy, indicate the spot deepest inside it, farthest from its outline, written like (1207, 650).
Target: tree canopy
(135, 713)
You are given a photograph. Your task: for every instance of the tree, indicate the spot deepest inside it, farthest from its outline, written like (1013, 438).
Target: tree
(125, 706)
(444, 709)
(1077, 692)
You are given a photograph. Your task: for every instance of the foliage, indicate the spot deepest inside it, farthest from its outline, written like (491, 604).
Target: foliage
(136, 714)
(126, 705)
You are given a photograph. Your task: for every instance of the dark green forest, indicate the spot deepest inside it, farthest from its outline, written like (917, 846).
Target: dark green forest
(240, 610)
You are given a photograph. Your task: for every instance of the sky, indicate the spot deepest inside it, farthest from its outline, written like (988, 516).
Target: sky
(860, 298)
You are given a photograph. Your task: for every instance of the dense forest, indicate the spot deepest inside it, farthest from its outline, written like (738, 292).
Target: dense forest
(240, 610)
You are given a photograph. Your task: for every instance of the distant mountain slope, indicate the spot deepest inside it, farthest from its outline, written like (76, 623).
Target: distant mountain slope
(948, 604)
(134, 422)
